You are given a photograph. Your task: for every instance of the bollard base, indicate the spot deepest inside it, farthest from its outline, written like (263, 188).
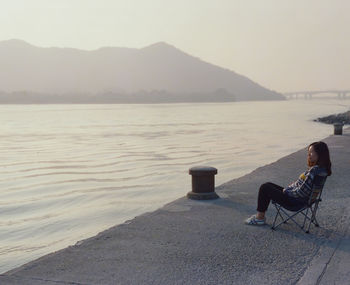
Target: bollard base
(202, 196)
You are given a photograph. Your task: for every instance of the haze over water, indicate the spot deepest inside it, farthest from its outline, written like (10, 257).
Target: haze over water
(71, 171)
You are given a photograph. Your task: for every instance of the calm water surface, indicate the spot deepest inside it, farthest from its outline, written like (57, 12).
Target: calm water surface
(71, 171)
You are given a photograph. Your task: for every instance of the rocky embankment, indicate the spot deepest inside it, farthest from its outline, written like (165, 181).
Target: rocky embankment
(343, 118)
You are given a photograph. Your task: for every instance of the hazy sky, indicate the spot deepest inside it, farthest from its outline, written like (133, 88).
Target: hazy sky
(284, 45)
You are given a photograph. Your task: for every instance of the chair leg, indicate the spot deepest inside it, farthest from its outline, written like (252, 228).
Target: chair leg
(286, 218)
(308, 212)
(305, 217)
(314, 215)
(274, 221)
(279, 209)
(313, 218)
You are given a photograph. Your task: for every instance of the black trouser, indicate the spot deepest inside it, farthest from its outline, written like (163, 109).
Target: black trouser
(270, 191)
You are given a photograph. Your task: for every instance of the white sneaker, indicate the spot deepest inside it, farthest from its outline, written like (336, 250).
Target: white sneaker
(254, 221)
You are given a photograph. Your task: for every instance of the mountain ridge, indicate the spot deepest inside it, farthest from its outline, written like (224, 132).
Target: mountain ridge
(160, 66)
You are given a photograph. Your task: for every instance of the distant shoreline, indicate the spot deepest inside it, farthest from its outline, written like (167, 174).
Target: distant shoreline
(142, 97)
(154, 97)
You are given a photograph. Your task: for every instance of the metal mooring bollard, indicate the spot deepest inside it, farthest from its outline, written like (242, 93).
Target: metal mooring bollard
(338, 128)
(203, 183)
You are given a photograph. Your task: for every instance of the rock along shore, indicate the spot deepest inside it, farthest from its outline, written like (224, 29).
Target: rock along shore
(342, 118)
(206, 242)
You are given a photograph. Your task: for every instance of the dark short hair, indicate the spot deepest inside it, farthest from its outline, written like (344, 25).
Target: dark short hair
(323, 160)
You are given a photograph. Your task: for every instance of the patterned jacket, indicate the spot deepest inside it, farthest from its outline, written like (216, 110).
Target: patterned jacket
(302, 188)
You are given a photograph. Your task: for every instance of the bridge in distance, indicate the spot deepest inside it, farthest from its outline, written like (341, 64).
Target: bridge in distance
(341, 94)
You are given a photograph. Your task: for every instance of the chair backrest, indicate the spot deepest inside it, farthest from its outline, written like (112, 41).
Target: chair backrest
(317, 188)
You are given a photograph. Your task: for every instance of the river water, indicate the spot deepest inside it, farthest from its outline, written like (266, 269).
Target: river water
(71, 171)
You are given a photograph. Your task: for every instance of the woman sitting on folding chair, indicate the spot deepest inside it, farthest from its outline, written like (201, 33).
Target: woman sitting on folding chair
(297, 193)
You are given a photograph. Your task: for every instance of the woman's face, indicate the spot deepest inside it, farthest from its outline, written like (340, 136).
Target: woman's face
(312, 156)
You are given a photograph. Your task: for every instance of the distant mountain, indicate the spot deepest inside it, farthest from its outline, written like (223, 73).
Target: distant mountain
(140, 75)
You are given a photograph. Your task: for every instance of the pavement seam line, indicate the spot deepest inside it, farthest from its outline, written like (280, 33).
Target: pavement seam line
(331, 257)
(324, 255)
(319, 279)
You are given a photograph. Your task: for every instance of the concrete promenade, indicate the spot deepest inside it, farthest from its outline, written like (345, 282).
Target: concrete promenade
(206, 242)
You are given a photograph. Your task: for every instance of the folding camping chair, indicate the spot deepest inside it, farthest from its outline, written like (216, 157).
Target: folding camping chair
(308, 211)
